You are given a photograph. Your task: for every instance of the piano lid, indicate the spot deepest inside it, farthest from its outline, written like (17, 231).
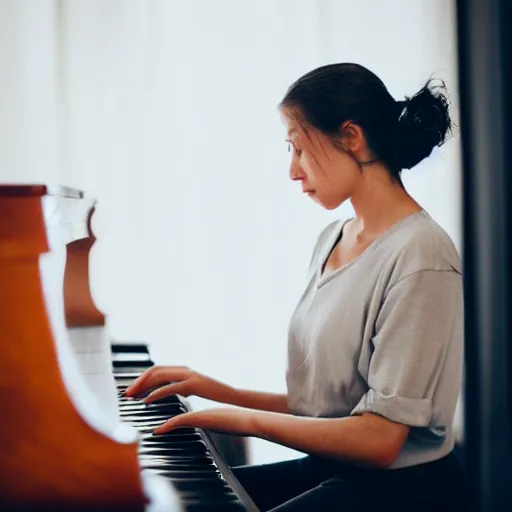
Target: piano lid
(28, 190)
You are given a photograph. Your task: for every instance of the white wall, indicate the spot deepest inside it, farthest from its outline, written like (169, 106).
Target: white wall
(166, 110)
(28, 92)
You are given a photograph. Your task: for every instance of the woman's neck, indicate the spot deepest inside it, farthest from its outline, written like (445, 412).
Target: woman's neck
(379, 202)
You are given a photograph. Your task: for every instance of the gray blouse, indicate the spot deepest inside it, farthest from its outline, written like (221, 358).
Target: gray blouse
(383, 334)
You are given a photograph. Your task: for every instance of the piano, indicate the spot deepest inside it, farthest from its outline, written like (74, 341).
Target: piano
(71, 439)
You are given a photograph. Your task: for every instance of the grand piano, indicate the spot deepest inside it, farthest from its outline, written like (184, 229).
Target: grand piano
(71, 440)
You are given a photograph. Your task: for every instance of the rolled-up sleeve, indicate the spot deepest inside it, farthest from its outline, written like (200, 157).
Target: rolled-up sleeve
(414, 329)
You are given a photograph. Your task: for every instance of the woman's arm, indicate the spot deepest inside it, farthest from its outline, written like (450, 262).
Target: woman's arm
(162, 381)
(368, 440)
(259, 400)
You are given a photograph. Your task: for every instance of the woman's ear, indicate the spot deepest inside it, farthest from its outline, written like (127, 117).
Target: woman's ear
(352, 137)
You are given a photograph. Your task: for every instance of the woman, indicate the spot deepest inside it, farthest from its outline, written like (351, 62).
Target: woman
(375, 344)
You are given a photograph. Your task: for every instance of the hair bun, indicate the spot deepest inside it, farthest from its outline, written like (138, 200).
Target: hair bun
(423, 123)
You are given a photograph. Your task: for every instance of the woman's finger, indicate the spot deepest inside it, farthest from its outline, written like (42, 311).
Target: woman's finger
(178, 388)
(182, 420)
(136, 384)
(155, 377)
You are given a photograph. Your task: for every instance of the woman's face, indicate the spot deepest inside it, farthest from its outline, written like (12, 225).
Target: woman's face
(327, 174)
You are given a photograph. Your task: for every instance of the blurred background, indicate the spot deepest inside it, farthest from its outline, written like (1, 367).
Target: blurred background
(165, 111)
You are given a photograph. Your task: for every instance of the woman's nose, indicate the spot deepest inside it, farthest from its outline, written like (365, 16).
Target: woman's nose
(295, 172)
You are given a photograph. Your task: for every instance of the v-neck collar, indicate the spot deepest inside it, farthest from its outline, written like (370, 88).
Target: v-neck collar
(322, 278)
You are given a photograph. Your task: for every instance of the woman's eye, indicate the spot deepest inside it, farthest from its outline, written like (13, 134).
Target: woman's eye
(298, 152)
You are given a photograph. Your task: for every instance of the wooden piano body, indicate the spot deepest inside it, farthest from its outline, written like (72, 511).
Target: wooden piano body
(64, 446)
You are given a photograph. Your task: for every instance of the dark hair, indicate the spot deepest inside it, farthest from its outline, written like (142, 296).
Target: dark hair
(399, 133)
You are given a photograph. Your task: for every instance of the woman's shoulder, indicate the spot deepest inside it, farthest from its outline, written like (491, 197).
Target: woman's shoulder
(331, 230)
(327, 235)
(424, 245)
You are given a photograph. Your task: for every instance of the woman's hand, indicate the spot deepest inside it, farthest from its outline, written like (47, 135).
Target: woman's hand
(177, 380)
(226, 420)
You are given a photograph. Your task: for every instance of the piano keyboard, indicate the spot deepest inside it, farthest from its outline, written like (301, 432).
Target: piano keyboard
(185, 457)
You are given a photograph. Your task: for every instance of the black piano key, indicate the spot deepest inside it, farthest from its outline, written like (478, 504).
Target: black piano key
(182, 471)
(123, 351)
(195, 459)
(170, 442)
(119, 346)
(138, 402)
(128, 375)
(189, 446)
(153, 414)
(177, 432)
(157, 410)
(128, 409)
(152, 420)
(136, 405)
(147, 461)
(174, 436)
(198, 444)
(156, 419)
(189, 461)
(163, 465)
(146, 422)
(132, 409)
(174, 456)
(139, 421)
(172, 451)
(187, 474)
(191, 477)
(213, 506)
